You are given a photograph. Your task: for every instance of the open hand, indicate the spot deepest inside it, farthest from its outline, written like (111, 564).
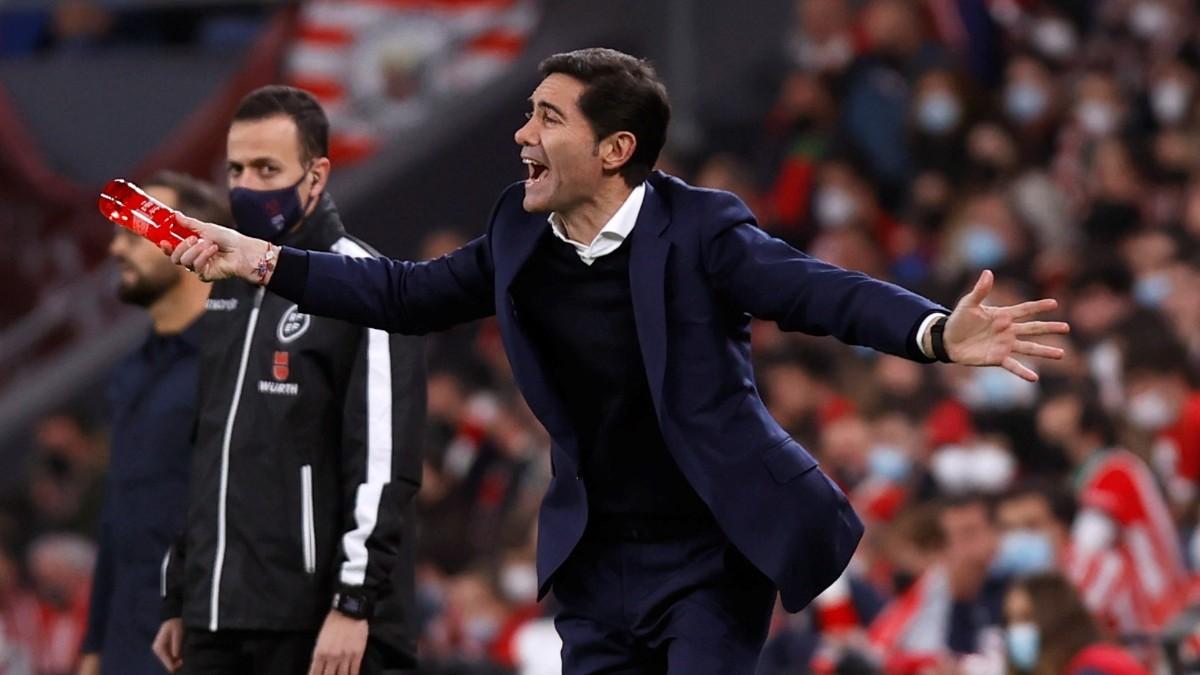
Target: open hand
(340, 645)
(979, 335)
(218, 252)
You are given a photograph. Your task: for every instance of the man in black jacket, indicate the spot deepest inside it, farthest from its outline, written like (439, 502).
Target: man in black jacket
(299, 534)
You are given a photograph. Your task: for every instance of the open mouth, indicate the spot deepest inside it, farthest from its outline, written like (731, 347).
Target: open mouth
(537, 170)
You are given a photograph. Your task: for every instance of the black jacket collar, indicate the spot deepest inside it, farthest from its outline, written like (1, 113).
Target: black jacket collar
(320, 229)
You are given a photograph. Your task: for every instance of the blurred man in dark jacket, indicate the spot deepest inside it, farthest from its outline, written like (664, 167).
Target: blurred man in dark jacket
(153, 402)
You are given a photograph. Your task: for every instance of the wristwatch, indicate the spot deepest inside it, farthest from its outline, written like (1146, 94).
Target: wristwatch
(353, 605)
(937, 340)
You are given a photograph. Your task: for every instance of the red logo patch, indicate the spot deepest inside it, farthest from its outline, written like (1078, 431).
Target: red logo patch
(280, 367)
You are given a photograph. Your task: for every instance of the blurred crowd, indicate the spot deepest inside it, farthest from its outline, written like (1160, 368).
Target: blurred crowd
(1010, 526)
(81, 26)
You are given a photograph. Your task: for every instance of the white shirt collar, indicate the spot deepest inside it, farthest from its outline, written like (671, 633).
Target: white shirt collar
(614, 232)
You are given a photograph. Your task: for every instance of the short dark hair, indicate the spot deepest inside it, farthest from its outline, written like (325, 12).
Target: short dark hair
(195, 198)
(1060, 502)
(312, 126)
(622, 93)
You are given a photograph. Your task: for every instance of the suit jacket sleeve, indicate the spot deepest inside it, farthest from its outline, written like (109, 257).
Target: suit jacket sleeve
(383, 418)
(770, 280)
(398, 296)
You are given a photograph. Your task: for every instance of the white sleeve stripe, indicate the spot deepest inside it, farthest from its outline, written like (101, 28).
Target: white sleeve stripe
(379, 442)
(162, 577)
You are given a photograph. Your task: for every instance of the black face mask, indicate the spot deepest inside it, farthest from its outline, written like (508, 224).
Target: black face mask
(267, 214)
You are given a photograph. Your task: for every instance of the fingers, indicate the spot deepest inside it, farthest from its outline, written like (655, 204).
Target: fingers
(981, 290)
(174, 644)
(1029, 328)
(318, 665)
(167, 648)
(198, 226)
(1017, 368)
(355, 664)
(201, 261)
(1028, 348)
(1032, 307)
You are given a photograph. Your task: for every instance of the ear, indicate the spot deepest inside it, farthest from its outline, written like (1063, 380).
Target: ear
(320, 170)
(617, 150)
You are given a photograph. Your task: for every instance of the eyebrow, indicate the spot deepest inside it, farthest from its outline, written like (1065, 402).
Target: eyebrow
(543, 104)
(256, 162)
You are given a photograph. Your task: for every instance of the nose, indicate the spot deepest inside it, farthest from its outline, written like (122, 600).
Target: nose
(241, 180)
(116, 244)
(525, 135)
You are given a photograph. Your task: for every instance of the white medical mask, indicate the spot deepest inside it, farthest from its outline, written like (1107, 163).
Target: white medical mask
(1149, 411)
(1024, 102)
(1024, 552)
(938, 113)
(1151, 290)
(1149, 19)
(519, 582)
(1024, 643)
(1169, 100)
(1097, 118)
(889, 463)
(835, 207)
(1054, 37)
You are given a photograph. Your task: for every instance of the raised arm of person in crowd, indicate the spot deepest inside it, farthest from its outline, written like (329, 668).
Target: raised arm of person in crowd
(397, 296)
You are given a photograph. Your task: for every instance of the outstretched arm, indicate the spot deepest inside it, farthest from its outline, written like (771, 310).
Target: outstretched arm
(393, 295)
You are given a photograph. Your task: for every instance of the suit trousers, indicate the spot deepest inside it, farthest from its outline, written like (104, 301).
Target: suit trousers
(686, 605)
(258, 652)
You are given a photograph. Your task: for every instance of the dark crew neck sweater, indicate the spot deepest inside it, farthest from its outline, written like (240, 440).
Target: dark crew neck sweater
(580, 319)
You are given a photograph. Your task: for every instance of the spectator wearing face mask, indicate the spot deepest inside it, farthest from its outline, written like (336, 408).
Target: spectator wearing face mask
(845, 201)
(1096, 557)
(1031, 105)
(1163, 405)
(823, 41)
(939, 120)
(1123, 554)
(797, 137)
(1171, 94)
(1033, 521)
(1049, 632)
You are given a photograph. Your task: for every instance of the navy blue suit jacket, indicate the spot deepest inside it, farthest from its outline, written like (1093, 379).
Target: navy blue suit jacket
(699, 269)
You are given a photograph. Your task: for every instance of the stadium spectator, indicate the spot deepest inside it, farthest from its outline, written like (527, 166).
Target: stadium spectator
(1049, 632)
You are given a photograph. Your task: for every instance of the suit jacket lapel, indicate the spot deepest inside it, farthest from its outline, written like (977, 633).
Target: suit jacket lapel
(647, 283)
